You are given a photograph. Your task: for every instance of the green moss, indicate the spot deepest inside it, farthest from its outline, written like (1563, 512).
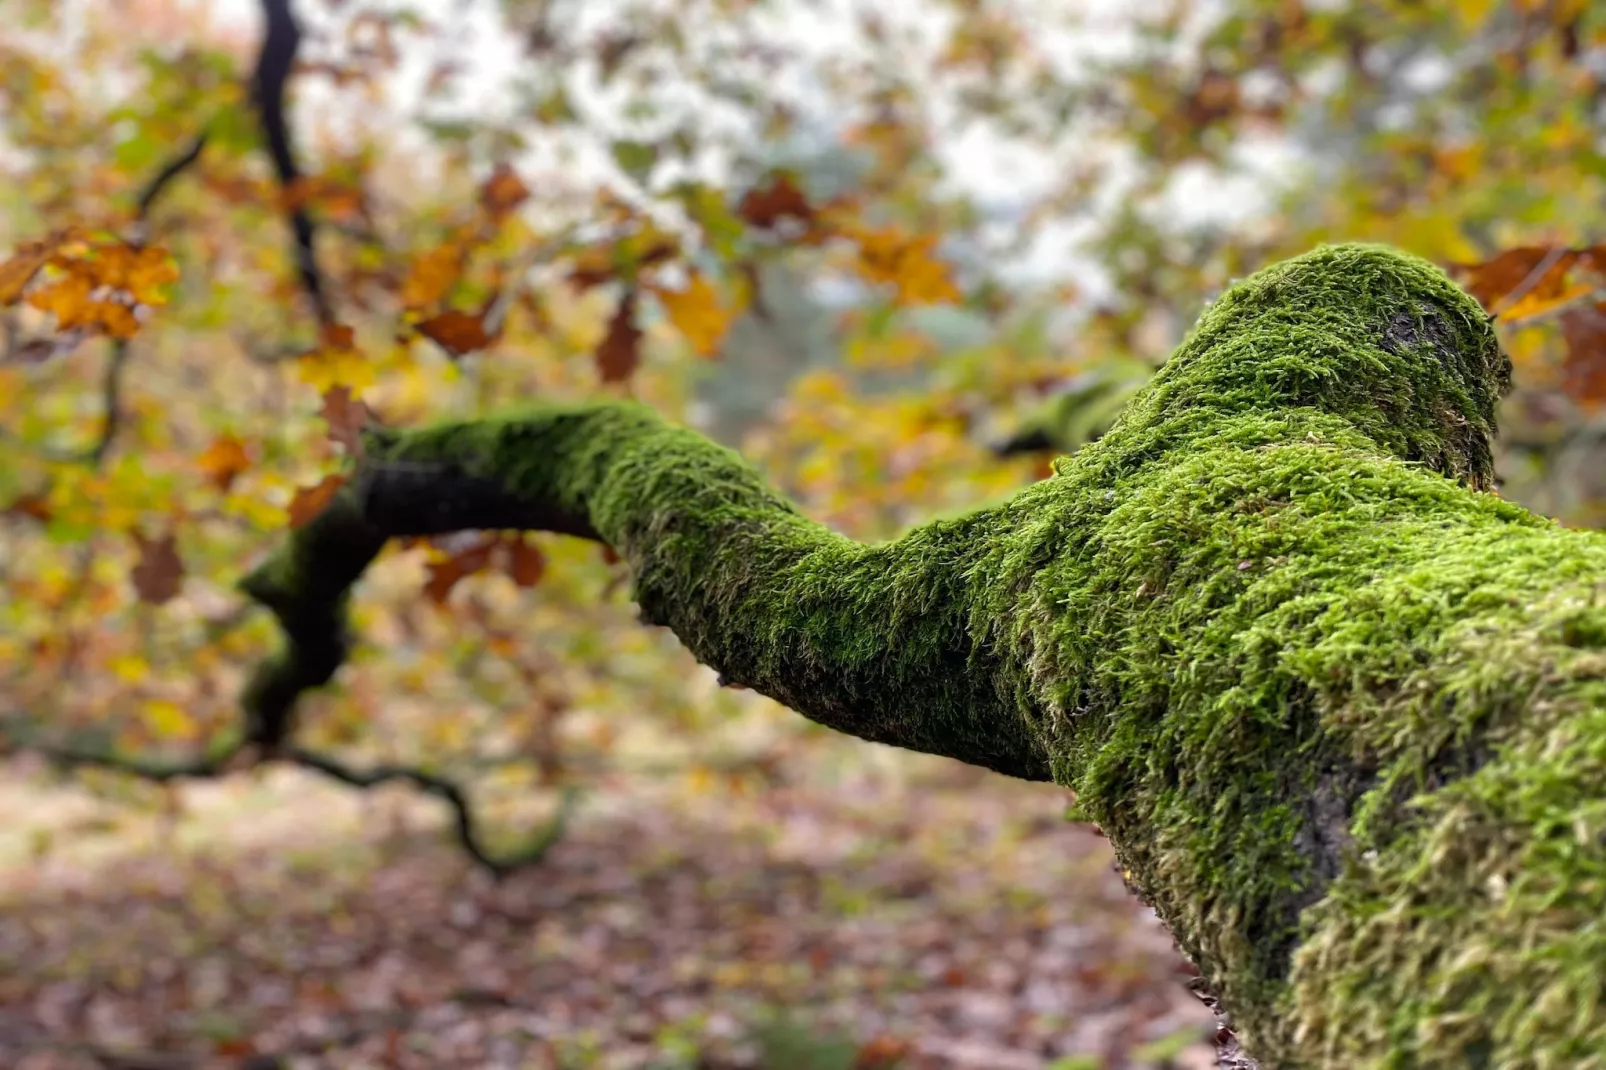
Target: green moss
(1339, 711)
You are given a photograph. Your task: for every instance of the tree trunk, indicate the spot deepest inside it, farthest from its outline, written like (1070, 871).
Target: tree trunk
(1339, 708)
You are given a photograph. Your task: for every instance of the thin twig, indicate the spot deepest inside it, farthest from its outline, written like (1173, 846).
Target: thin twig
(467, 834)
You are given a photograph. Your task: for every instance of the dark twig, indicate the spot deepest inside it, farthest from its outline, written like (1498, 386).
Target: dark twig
(171, 170)
(532, 852)
(21, 737)
(280, 41)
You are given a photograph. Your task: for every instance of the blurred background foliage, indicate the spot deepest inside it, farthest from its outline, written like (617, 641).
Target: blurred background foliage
(898, 255)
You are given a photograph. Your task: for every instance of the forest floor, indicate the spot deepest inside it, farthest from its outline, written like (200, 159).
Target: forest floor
(936, 917)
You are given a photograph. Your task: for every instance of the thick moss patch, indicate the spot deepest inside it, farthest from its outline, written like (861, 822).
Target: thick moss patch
(1339, 709)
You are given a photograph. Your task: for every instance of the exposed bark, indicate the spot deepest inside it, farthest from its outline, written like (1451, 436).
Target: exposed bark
(1341, 711)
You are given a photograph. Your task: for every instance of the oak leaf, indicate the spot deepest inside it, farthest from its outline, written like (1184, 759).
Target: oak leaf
(223, 461)
(431, 275)
(525, 561)
(347, 417)
(697, 314)
(619, 352)
(20, 268)
(308, 502)
(444, 574)
(456, 332)
(765, 206)
(1583, 329)
(336, 361)
(159, 571)
(502, 192)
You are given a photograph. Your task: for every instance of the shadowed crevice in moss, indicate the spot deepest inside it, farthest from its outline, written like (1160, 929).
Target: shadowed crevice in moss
(1319, 690)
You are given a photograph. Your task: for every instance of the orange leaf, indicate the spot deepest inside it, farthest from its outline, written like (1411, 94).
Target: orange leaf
(890, 255)
(1533, 278)
(67, 299)
(502, 192)
(431, 275)
(310, 501)
(223, 460)
(159, 572)
(620, 350)
(456, 332)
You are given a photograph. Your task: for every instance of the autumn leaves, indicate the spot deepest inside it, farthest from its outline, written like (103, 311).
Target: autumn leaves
(1533, 285)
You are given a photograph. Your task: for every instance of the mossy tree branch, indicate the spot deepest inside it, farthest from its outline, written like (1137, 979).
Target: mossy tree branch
(1341, 711)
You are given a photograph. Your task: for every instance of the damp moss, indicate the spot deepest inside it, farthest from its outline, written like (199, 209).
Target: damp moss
(1341, 711)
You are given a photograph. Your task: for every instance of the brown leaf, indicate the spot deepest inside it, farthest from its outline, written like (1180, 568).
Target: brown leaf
(20, 268)
(347, 417)
(444, 574)
(525, 562)
(1583, 328)
(1494, 281)
(310, 501)
(456, 332)
(223, 461)
(765, 206)
(502, 192)
(159, 572)
(32, 505)
(620, 350)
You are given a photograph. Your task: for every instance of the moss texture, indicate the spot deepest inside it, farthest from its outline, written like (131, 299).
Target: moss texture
(1341, 711)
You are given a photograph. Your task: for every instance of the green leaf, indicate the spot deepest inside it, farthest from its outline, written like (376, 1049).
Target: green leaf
(635, 158)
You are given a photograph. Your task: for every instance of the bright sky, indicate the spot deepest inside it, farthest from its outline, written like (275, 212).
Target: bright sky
(1003, 175)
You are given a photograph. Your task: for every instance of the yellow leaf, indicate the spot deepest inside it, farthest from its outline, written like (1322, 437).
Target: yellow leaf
(130, 668)
(167, 719)
(697, 314)
(336, 362)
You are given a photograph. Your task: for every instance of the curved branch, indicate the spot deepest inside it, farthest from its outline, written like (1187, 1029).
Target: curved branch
(1337, 708)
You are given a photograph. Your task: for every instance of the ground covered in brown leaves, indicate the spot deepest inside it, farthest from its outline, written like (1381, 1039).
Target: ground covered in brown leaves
(937, 918)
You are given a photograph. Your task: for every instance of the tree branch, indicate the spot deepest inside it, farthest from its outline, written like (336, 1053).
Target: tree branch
(280, 41)
(1337, 708)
